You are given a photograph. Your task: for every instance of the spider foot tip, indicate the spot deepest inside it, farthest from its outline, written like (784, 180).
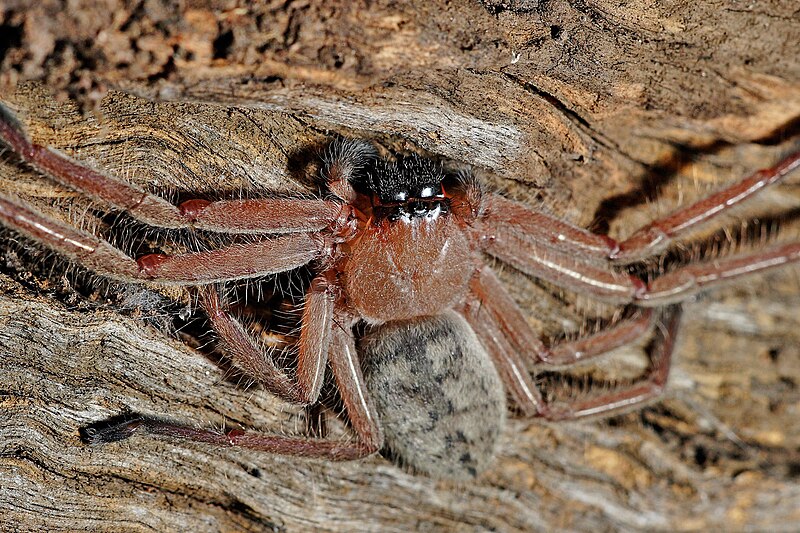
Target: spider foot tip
(113, 430)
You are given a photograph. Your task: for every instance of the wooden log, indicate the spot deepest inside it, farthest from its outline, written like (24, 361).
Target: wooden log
(605, 114)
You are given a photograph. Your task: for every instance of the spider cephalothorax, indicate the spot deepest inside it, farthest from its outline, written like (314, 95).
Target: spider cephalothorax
(398, 251)
(406, 258)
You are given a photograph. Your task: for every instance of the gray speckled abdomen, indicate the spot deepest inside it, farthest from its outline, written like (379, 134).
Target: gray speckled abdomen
(439, 398)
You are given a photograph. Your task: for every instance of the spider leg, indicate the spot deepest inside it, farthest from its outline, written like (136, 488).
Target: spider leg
(500, 325)
(648, 240)
(691, 279)
(600, 280)
(236, 261)
(346, 369)
(57, 166)
(268, 215)
(495, 301)
(651, 386)
(656, 236)
(346, 372)
(257, 363)
(505, 339)
(343, 159)
(615, 335)
(546, 229)
(96, 254)
(510, 320)
(267, 256)
(260, 215)
(509, 244)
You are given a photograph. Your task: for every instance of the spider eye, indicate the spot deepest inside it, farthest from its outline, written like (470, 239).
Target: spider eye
(399, 196)
(429, 191)
(426, 192)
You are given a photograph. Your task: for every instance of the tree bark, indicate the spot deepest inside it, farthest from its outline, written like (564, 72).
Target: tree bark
(606, 114)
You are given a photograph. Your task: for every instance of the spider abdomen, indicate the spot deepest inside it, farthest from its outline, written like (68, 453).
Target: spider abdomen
(439, 398)
(402, 270)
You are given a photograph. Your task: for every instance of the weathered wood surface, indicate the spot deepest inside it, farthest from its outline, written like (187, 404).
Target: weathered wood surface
(584, 107)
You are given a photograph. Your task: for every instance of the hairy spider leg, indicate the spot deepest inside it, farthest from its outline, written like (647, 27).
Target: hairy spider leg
(122, 195)
(502, 329)
(601, 281)
(656, 236)
(264, 257)
(508, 321)
(265, 215)
(347, 374)
(645, 389)
(648, 240)
(255, 361)
(236, 261)
(495, 299)
(613, 336)
(507, 358)
(688, 280)
(261, 215)
(516, 328)
(508, 243)
(490, 331)
(547, 229)
(96, 254)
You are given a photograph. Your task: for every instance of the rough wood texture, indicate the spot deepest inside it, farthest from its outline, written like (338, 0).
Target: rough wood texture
(592, 109)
